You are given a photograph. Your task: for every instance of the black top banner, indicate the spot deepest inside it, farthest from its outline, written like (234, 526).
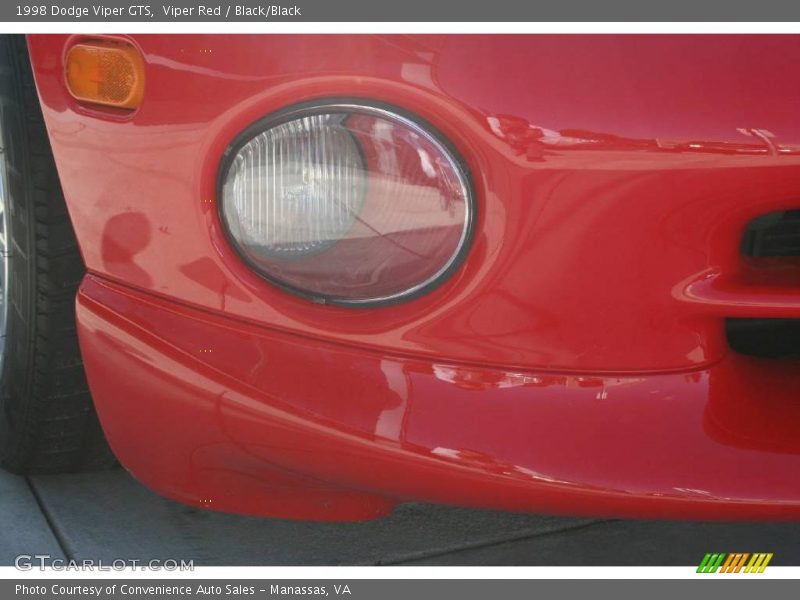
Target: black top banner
(194, 11)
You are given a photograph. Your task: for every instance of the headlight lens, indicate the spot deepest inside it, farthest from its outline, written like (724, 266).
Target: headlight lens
(346, 203)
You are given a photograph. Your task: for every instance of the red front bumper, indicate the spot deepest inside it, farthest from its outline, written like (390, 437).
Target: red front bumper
(235, 417)
(576, 362)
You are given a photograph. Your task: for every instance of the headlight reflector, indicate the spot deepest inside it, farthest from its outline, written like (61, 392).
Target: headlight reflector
(346, 203)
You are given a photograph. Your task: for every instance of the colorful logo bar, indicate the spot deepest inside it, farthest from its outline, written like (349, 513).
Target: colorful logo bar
(735, 563)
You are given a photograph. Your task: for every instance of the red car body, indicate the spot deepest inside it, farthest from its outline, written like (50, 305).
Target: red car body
(575, 363)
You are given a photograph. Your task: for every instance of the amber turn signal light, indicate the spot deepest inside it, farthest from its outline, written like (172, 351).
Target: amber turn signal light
(106, 73)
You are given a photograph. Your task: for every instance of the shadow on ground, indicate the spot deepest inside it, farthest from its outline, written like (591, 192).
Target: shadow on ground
(110, 516)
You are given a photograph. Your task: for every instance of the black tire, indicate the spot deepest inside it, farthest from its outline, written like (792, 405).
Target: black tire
(47, 420)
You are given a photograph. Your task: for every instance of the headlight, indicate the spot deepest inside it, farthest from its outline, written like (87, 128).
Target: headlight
(346, 203)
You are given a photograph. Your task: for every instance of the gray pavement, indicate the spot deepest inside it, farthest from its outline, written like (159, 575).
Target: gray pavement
(108, 516)
(23, 525)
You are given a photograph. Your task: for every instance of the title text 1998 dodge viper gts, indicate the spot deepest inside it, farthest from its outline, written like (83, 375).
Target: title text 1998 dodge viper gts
(316, 276)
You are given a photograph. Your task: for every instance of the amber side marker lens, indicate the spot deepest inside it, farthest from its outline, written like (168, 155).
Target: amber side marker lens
(106, 73)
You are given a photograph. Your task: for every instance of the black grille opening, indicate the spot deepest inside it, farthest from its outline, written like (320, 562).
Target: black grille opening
(773, 234)
(765, 338)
